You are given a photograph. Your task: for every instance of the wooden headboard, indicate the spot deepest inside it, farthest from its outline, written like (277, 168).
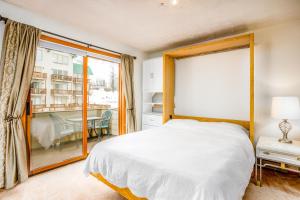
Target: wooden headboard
(227, 44)
(245, 124)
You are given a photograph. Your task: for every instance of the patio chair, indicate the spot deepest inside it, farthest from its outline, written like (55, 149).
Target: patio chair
(62, 127)
(103, 123)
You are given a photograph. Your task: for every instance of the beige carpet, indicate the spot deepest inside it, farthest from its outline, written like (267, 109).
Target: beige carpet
(69, 183)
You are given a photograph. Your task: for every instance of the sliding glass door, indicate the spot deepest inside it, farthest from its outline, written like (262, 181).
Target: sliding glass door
(56, 108)
(103, 95)
(74, 103)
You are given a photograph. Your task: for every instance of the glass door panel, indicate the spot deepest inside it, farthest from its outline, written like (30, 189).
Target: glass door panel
(56, 108)
(103, 95)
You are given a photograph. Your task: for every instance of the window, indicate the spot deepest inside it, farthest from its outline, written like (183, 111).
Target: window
(39, 55)
(60, 59)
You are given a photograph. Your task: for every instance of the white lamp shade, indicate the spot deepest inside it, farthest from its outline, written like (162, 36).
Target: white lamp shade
(285, 108)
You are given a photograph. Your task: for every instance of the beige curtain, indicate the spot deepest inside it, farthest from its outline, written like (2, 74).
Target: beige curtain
(17, 62)
(127, 70)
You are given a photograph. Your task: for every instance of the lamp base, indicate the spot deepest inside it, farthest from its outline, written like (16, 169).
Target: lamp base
(285, 140)
(285, 127)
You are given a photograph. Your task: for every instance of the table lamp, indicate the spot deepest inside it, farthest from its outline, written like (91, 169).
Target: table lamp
(285, 108)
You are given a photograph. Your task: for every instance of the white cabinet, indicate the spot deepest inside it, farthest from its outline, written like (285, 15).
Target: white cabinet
(151, 120)
(152, 74)
(152, 93)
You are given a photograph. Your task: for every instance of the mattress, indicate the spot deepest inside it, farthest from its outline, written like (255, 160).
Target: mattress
(182, 160)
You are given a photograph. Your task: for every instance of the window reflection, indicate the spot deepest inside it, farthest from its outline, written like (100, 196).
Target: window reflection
(103, 97)
(56, 96)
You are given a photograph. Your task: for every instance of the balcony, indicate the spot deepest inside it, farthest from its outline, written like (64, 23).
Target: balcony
(75, 106)
(96, 86)
(38, 108)
(98, 106)
(38, 91)
(61, 78)
(80, 80)
(77, 80)
(58, 107)
(80, 92)
(66, 107)
(77, 92)
(61, 92)
(39, 75)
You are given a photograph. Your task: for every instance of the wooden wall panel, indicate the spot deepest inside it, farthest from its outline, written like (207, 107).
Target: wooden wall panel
(242, 41)
(252, 88)
(211, 47)
(125, 192)
(243, 123)
(168, 87)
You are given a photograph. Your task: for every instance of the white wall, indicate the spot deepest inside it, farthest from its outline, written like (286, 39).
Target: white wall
(1, 34)
(27, 17)
(224, 96)
(277, 73)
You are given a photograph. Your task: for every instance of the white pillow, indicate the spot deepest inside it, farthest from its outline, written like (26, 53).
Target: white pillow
(183, 123)
(191, 123)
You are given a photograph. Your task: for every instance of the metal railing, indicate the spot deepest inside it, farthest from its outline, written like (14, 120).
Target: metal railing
(58, 77)
(38, 90)
(39, 75)
(61, 92)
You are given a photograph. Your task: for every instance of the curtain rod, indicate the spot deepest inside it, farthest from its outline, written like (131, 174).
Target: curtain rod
(71, 39)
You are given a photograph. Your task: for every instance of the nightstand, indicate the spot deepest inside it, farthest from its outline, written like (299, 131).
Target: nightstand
(271, 153)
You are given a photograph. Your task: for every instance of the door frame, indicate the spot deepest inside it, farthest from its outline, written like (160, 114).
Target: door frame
(28, 109)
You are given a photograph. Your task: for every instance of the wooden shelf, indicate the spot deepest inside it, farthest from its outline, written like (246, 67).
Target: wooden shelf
(152, 103)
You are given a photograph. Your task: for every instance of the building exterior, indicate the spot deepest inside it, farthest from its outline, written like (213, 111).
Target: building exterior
(57, 84)
(52, 81)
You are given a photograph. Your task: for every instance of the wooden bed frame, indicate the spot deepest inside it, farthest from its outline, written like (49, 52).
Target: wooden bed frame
(227, 44)
(243, 41)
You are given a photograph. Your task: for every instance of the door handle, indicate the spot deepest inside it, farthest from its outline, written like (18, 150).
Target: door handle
(29, 108)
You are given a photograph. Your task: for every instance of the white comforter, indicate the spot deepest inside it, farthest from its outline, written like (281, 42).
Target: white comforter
(183, 160)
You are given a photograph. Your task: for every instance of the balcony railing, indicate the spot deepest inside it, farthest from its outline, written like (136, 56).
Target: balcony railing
(61, 92)
(65, 107)
(77, 80)
(98, 106)
(75, 106)
(38, 90)
(38, 108)
(80, 92)
(63, 78)
(77, 92)
(96, 86)
(39, 75)
(80, 80)
(58, 105)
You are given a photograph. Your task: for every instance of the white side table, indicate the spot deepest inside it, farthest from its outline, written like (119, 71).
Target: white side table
(282, 156)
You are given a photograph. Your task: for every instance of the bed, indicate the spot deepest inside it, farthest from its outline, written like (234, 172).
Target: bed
(190, 157)
(184, 160)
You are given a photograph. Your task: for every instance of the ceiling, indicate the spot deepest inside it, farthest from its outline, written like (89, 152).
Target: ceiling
(148, 26)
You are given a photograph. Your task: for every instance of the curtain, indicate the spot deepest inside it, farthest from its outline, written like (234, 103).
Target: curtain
(17, 62)
(127, 71)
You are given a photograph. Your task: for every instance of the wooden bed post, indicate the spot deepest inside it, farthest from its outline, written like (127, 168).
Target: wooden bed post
(168, 87)
(251, 46)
